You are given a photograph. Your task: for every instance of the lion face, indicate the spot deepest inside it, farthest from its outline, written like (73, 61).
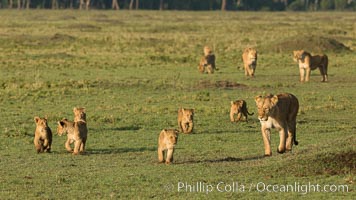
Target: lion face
(266, 106)
(298, 55)
(235, 107)
(61, 129)
(188, 115)
(252, 55)
(41, 124)
(171, 137)
(79, 114)
(207, 51)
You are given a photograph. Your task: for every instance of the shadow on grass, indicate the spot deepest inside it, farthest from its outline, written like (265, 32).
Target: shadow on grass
(220, 160)
(119, 150)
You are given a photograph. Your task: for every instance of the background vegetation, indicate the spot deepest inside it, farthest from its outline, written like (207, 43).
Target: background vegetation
(133, 70)
(251, 5)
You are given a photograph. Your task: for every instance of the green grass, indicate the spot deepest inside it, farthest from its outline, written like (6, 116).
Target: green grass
(133, 70)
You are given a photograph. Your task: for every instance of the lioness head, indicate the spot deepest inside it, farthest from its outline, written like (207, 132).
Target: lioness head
(188, 115)
(252, 55)
(207, 51)
(61, 128)
(298, 55)
(79, 114)
(235, 109)
(265, 106)
(171, 136)
(41, 123)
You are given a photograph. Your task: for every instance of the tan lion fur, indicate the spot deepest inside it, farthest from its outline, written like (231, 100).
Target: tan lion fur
(43, 135)
(280, 112)
(207, 61)
(185, 120)
(238, 108)
(166, 142)
(307, 62)
(249, 58)
(77, 131)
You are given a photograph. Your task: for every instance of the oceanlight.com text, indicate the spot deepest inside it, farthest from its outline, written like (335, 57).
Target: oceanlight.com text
(238, 187)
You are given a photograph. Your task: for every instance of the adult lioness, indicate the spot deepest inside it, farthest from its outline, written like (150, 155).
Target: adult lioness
(43, 135)
(239, 108)
(185, 120)
(76, 132)
(278, 111)
(249, 58)
(207, 62)
(307, 62)
(166, 142)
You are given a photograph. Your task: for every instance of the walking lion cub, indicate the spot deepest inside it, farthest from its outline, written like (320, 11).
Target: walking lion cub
(77, 131)
(185, 120)
(166, 142)
(238, 108)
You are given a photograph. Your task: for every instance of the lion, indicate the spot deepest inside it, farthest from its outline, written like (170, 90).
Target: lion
(239, 108)
(280, 112)
(76, 132)
(307, 62)
(166, 142)
(207, 62)
(79, 114)
(185, 120)
(249, 58)
(43, 135)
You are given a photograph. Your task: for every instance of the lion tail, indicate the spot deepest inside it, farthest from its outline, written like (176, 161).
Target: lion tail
(326, 62)
(295, 140)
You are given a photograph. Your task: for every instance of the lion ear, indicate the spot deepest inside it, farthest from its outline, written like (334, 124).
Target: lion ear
(258, 98)
(274, 99)
(36, 119)
(232, 103)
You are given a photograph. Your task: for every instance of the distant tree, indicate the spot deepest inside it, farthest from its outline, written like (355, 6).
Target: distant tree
(340, 4)
(327, 4)
(223, 5)
(297, 5)
(85, 3)
(161, 4)
(115, 5)
(54, 4)
(9, 3)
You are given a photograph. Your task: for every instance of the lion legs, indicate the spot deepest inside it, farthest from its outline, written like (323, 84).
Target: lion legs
(67, 145)
(282, 140)
(160, 155)
(77, 146)
(266, 135)
(169, 156)
(323, 73)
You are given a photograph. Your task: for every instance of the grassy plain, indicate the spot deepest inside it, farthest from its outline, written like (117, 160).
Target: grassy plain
(133, 70)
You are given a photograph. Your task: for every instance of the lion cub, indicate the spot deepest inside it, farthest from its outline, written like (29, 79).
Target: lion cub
(249, 58)
(43, 135)
(76, 131)
(239, 108)
(185, 120)
(207, 62)
(166, 142)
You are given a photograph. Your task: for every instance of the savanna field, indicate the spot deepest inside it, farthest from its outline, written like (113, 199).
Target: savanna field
(132, 70)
